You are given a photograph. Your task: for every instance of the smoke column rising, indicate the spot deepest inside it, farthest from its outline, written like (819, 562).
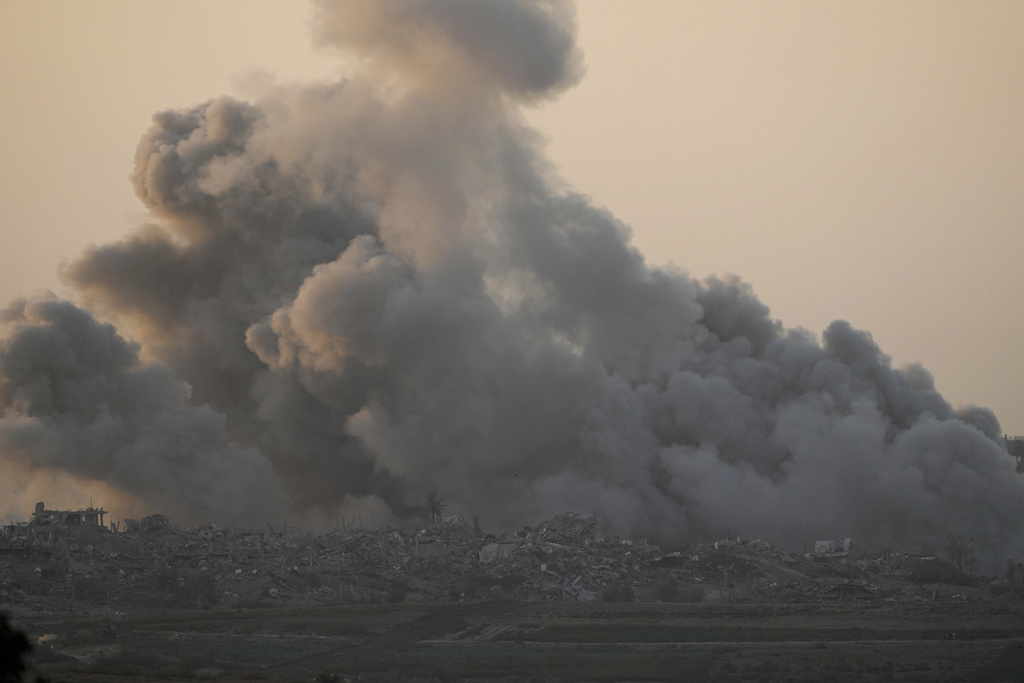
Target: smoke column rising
(352, 293)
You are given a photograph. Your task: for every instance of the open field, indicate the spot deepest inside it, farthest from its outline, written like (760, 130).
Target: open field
(543, 641)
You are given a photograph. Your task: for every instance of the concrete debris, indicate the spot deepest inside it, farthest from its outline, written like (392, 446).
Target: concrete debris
(77, 567)
(154, 524)
(832, 548)
(152, 564)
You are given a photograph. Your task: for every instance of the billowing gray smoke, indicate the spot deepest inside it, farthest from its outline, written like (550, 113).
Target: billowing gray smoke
(378, 287)
(75, 397)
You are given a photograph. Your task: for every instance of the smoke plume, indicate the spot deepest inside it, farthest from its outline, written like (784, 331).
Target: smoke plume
(353, 293)
(75, 398)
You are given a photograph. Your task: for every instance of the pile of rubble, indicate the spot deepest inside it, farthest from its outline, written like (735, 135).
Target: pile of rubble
(152, 564)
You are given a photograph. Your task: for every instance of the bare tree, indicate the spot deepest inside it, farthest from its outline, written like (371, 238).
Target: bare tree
(959, 551)
(434, 506)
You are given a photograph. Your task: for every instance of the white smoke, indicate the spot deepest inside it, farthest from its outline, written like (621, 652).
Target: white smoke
(379, 288)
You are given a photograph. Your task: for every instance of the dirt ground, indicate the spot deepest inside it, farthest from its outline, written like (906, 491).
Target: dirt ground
(541, 641)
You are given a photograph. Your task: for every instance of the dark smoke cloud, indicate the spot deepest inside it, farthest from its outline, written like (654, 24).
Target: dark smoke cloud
(75, 397)
(379, 287)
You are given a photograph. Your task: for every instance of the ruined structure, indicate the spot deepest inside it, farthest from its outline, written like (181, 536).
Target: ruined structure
(150, 562)
(89, 516)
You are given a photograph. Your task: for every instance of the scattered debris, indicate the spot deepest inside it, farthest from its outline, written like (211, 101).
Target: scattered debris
(52, 566)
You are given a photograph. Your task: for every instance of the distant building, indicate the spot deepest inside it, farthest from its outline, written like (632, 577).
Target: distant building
(90, 516)
(1015, 447)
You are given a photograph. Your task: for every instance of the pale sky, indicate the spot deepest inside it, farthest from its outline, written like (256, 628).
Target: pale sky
(855, 160)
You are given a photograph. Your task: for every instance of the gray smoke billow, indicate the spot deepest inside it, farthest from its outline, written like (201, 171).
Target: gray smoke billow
(74, 396)
(353, 293)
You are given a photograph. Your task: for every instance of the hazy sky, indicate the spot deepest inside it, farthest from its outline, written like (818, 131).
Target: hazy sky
(854, 160)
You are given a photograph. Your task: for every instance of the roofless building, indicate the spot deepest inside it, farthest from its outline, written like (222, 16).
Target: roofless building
(89, 516)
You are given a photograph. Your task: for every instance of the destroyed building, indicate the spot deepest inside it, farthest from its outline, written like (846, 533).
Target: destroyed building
(89, 516)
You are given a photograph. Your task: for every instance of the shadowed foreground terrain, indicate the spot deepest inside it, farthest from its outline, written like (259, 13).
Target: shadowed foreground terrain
(563, 641)
(551, 602)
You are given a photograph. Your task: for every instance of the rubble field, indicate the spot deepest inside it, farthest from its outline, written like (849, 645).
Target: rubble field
(153, 565)
(548, 602)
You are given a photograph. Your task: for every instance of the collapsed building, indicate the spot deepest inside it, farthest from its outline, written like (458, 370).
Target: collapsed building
(65, 562)
(89, 516)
